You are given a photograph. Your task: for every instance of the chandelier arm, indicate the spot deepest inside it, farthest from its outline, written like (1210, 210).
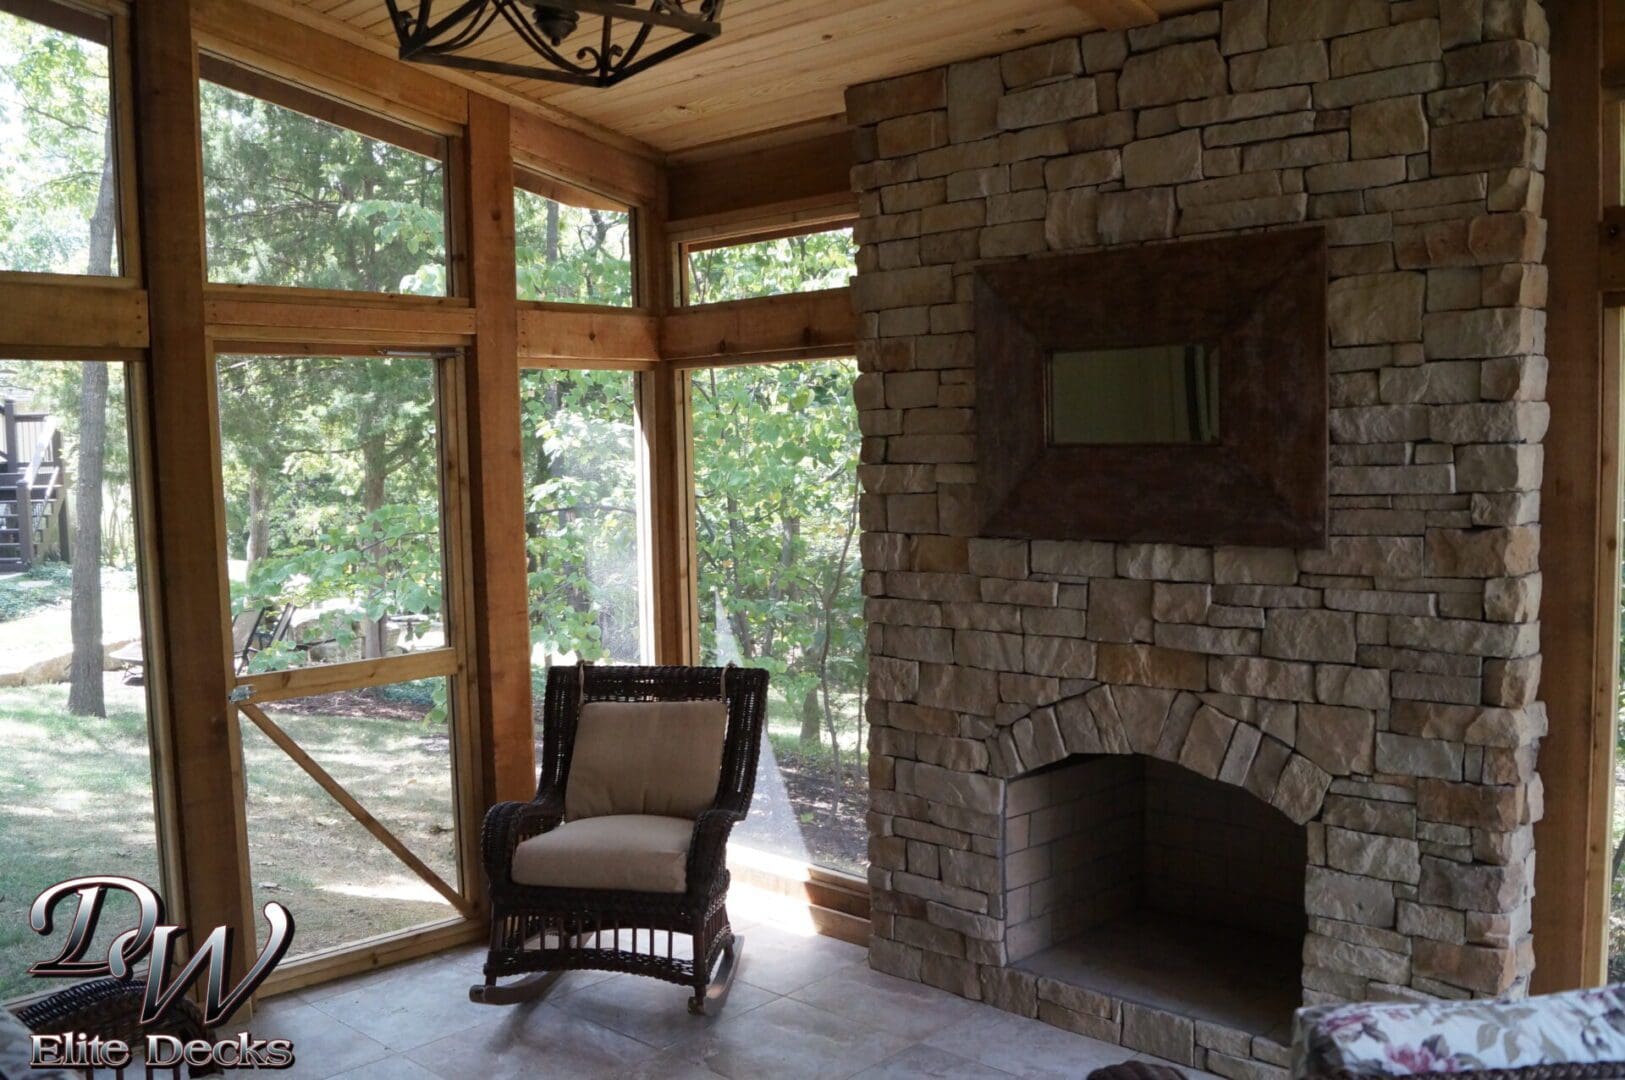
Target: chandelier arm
(471, 9)
(693, 24)
(477, 26)
(519, 71)
(632, 49)
(538, 43)
(676, 48)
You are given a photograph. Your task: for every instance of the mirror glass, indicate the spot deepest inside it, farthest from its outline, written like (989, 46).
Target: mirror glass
(1148, 394)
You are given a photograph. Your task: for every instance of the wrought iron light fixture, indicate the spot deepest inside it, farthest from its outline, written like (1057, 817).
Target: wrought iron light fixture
(600, 59)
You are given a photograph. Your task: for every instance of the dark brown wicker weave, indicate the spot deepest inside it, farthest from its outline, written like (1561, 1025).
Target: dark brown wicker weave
(542, 932)
(111, 1009)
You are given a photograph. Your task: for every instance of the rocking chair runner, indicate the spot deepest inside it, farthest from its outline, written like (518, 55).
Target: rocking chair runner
(589, 877)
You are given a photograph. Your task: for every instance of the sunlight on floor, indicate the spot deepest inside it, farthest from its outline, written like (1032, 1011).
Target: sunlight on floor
(751, 905)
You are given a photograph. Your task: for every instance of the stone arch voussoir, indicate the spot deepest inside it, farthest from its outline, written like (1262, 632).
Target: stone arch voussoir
(1173, 725)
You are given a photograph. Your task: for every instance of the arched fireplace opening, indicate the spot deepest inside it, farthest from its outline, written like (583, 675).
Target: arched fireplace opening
(1135, 878)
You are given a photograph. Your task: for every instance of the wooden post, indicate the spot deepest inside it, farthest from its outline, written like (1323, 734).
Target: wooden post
(25, 517)
(64, 542)
(501, 661)
(189, 652)
(1579, 534)
(663, 408)
(663, 420)
(11, 460)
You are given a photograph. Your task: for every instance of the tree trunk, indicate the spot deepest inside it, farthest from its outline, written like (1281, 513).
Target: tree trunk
(259, 521)
(374, 452)
(812, 716)
(85, 696)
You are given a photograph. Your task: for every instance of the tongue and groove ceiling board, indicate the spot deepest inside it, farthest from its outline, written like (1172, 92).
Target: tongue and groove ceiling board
(778, 63)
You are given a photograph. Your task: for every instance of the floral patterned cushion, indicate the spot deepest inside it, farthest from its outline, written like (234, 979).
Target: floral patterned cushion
(1382, 1040)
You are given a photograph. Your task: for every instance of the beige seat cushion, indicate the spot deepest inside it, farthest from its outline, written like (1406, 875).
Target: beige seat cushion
(646, 757)
(641, 852)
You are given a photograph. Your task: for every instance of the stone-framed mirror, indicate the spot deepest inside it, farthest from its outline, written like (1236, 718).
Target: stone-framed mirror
(1172, 392)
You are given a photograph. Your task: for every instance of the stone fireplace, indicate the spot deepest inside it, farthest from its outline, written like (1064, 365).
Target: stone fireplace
(1103, 769)
(1133, 876)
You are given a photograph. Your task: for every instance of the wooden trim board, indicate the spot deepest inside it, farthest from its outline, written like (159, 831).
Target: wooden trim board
(556, 336)
(501, 661)
(187, 527)
(1579, 534)
(82, 313)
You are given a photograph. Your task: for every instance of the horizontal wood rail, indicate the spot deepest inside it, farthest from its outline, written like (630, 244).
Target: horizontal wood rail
(837, 904)
(796, 326)
(328, 784)
(552, 148)
(73, 313)
(353, 675)
(250, 314)
(554, 334)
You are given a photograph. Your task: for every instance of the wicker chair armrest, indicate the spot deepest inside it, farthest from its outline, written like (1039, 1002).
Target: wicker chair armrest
(509, 824)
(709, 848)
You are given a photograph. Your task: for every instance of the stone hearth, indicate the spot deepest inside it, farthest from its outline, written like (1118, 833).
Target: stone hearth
(1377, 697)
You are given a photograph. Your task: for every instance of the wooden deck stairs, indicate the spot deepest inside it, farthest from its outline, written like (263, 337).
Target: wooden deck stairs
(33, 486)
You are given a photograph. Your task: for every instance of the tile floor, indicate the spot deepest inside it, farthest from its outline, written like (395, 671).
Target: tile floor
(804, 1006)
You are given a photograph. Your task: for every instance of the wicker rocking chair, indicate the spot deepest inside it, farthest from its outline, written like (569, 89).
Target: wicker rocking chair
(628, 833)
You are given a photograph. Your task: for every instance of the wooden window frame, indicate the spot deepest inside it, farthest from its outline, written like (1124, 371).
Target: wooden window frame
(740, 233)
(166, 322)
(226, 68)
(64, 16)
(537, 181)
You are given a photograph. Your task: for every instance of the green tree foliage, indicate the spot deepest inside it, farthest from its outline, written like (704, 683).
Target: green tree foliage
(771, 267)
(775, 491)
(572, 254)
(330, 462)
(54, 116)
(346, 521)
(581, 523)
(292, 200)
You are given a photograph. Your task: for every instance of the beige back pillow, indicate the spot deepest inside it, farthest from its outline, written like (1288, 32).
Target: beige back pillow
(646, 757)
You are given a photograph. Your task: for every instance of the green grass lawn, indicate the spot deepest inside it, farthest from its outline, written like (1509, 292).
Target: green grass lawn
(41, 586)
(309, 854)
(76, 798)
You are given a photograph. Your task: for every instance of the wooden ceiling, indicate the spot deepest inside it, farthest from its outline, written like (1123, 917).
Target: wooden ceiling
(778, 63)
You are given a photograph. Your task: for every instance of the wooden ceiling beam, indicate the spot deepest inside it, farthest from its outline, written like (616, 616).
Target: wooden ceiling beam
(1118, 14)
(739, 183)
